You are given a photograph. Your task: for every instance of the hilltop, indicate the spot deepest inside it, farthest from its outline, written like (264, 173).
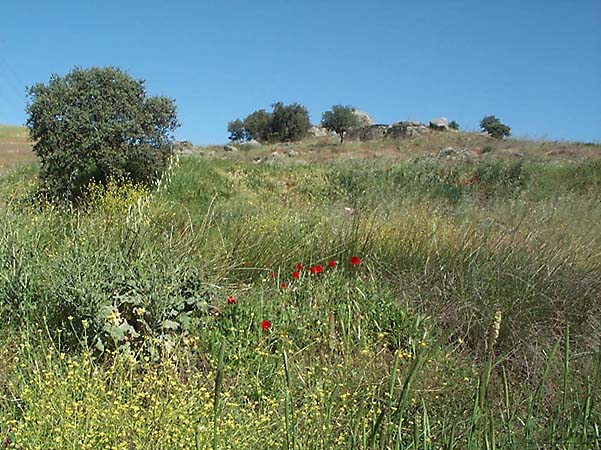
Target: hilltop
(465, 146)
(15, 148)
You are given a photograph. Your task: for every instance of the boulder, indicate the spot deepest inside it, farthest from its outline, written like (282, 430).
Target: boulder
(318, 131)
(402, 130)
(252, 143)
(230, 148)
(370, 133)
(183, 147)
(363, 117)
(440, 124)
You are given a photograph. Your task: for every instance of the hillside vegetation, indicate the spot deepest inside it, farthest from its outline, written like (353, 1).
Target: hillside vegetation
(14, 146)
(445, 300)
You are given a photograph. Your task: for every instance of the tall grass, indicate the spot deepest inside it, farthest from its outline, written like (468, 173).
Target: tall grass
(446, 335)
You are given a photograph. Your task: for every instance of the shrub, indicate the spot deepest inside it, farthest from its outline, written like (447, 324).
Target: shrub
(494, 127)
(339, 119)
(236, 130)
(287, 123)
(258, 126)
(290, 122)
(98, 125)
(454, 125)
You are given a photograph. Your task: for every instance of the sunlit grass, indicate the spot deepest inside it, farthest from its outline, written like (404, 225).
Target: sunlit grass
(451, 332)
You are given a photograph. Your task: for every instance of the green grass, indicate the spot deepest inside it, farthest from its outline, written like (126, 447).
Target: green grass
(471, 322)
(12, 131)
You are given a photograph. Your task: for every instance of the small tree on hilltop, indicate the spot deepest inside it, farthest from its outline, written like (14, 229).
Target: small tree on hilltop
(290, 122)
(98, 125)
(258, 126)
(339, 119)
(236, 130)
(494, 127)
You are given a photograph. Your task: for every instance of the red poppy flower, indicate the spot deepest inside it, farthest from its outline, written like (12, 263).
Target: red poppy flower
(299, 266)
(331, 264)
(295, 275)
(284, 285)
(265, 325)
(272, 274)
(318, 268)
(355, 261)
(231, 300)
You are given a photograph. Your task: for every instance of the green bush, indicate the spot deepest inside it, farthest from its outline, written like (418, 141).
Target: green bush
(236, 130)
(287, 123)
(257, 125)
(290, 122)
(339, 119)
(98, 125)
(494, 127)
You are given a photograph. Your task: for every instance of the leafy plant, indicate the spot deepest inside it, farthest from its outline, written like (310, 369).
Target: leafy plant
(290, 122)
(236, 130)
(287, 123)
(258, 126)
(339, 119)
(98, 125)
(494, 127)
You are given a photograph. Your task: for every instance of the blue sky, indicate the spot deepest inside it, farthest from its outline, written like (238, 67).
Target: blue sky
(534, 64)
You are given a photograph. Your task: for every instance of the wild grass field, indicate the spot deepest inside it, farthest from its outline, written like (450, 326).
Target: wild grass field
(308, 303)
(14, 146)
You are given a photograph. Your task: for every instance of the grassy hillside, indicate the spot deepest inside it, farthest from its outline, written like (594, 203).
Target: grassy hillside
(457, 305)
(8, 132)
(465, 146)
(15, 147)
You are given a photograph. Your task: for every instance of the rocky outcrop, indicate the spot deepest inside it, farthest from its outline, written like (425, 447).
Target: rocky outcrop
(318, 131)
(369, 133)
(440, 124)
(363, 118)
(399, 130)
(252, 144)
(183, 147)
(402, 130)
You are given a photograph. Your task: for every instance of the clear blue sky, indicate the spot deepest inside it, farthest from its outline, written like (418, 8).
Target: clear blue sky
(535, 64)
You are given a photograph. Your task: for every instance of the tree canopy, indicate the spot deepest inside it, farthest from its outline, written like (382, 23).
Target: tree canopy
(97, 125)
(339, 119)
(494, 127)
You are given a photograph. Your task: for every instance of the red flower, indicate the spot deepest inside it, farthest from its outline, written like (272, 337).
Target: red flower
(265, 325)
(295, 275)
(272, 275)
(231, 300)
(355, 261)
(331, 264)
(299, 266)
(283, 285)
(318, 268)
